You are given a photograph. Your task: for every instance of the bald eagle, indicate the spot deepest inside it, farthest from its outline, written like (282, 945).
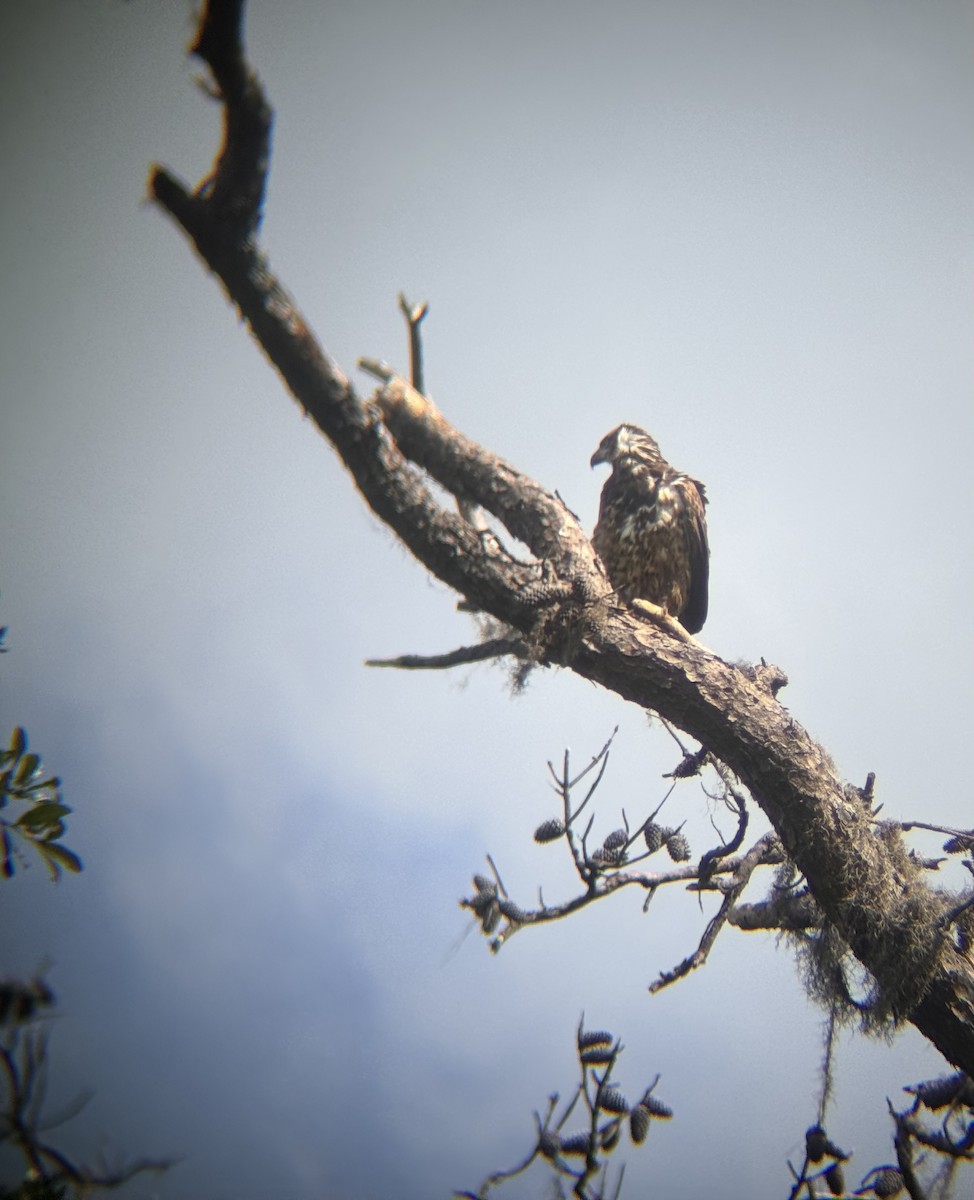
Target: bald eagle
(652, 530)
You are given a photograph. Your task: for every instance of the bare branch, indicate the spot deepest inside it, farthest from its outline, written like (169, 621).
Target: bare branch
(906, 826)
(743, 871)
(958, 910)
(903, 1143)
(605, 885)
(23, 1075)
(414, 314)
(786, 911)
(739, 804)
(561, 602)
(236, 188)
(495, 648)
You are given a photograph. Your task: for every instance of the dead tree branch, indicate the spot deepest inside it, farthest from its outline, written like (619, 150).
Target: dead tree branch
(495, 648)
(761, 852)
(560, 602)
(414, 314)
(23, 1087)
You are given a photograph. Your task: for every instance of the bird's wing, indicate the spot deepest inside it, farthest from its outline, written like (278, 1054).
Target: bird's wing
(698, 554)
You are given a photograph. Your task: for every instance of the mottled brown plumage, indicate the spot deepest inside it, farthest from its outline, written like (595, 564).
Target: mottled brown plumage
(652, 530)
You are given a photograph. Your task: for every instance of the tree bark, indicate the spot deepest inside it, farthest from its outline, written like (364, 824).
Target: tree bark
(560, 602)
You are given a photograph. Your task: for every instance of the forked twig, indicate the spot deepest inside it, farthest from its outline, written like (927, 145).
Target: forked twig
(414, 314)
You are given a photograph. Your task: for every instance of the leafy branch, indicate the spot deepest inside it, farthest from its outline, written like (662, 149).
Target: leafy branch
(39, 822)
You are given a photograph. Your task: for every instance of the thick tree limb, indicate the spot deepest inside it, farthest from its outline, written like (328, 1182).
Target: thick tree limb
(561, 603)
(785, 912)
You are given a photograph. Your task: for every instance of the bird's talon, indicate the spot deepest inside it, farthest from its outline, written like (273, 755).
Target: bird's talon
(661, 617)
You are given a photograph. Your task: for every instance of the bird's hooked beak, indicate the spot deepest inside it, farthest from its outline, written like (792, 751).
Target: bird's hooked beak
(600, 456)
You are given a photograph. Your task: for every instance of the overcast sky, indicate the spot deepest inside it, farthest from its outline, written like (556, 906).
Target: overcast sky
(746, 226)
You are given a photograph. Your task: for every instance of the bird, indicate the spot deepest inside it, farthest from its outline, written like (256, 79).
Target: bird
(651, 534)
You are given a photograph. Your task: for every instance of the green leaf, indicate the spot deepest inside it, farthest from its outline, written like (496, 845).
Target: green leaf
(59, 856)
(25, 769)
(42, 815)
(18, 742)
(51, 784)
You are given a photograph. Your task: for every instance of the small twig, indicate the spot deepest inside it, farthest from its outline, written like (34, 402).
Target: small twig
(740, 805)
(414, 314)
(35, 1089)
(699, 956)
(603, 756)
(618, 1188)
(906, 826)
(903, 1144)
(23, 1082)
(828, 1056)
(563, 785)
(68, 1112)
(652, 817)
(594, 1107)
(668, 726)
(497, 875)
(742, 874)
(599, 886)
(498, 1177)
(951, 915)
(495, 648)
(377, 369)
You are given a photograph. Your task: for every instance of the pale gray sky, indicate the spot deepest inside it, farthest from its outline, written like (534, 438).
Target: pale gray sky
(746, 226)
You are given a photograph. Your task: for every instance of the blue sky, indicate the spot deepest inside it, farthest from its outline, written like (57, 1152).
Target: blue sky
(746, 227)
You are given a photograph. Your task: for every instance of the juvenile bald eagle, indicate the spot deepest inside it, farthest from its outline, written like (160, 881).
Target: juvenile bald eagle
(652, 531)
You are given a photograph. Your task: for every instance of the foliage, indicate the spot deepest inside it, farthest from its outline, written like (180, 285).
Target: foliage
(36, 820)
(40, 810)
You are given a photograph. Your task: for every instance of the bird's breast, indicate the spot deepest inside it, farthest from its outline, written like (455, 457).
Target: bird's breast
(651, 517)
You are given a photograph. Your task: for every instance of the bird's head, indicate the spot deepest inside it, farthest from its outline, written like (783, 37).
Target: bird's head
(626, 442)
